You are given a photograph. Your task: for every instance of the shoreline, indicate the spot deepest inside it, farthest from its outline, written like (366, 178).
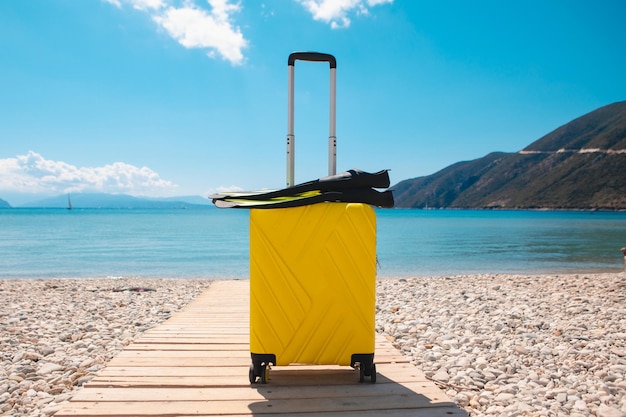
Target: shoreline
(497, 344)
(381, 275)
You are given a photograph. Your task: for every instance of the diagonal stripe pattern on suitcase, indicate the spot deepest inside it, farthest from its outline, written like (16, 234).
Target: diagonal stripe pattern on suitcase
(312, 281)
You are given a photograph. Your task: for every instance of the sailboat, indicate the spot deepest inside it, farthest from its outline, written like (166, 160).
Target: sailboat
(69, 202)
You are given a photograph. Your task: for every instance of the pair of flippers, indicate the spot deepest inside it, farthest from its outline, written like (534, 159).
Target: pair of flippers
(354, 186)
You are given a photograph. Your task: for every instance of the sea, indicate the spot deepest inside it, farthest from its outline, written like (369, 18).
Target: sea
(207, 242)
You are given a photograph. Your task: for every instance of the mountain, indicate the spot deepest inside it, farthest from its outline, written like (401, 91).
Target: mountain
(4, 204)
(119, 201)
(581, 165)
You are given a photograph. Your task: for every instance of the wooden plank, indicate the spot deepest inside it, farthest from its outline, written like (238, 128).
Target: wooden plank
(237, 381)
(184, 361)
(240, 380)
(173, 371)
(166, 354)
(213, 344)
(421, 412)
(210, 322)
(256, 393)
(299, 373)
(195, 340)
(218, 327)
(265, 406)
(391, 358)
(181, 362)
(173, 347)
(199, 332)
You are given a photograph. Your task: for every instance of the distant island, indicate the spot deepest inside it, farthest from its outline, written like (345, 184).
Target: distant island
(115, 201)
(579, 166)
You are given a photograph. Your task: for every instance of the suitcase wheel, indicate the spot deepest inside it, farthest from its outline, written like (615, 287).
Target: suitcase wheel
(262, 372)
(260, 367)
(371, 373)
(265, 374)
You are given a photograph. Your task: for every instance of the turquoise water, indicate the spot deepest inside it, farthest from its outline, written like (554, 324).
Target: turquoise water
(207, 242)
(453, 242)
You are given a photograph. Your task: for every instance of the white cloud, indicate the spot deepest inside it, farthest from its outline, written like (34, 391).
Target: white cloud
(115, 3)
(335, 12)
(194, 26)
(138, 4)
(32, 174)
(147, 4)
(228, 189)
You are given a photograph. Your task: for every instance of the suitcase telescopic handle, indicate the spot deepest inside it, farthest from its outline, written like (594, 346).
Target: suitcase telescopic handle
(313, 57)
(291, 139)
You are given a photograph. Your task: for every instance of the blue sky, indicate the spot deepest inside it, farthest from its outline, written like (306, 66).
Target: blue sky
(180, 97)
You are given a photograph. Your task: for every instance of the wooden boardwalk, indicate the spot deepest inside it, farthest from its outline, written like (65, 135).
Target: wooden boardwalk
(196, 364)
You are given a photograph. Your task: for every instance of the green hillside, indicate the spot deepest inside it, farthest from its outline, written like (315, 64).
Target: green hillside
(581, 165)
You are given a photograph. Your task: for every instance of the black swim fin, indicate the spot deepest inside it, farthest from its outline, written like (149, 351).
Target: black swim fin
(370, 196)
(354, 178)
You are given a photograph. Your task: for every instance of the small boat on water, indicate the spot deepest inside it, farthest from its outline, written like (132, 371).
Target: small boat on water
(69, 202)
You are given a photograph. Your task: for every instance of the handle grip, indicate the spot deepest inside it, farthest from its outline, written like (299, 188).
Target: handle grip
(312, 57)
(291, 138)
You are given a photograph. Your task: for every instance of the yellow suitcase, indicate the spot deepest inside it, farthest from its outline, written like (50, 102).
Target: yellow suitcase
(313, 287)
(312, 272)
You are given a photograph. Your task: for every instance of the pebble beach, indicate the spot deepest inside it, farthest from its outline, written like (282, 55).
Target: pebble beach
(56, 334)
(507, 345)
(498, 345)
